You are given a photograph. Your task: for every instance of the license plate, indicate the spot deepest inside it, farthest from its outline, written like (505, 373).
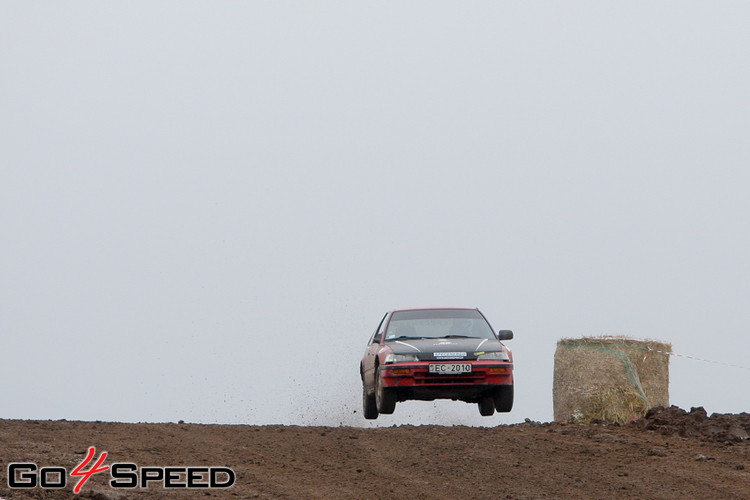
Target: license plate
(450, 368)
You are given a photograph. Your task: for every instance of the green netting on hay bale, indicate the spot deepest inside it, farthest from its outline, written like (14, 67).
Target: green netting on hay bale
(612, 379)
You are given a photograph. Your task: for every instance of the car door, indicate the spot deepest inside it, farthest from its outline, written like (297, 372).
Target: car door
(368, 363)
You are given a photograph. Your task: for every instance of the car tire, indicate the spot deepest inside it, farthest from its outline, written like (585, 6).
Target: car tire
(486, 406)
(368, 404)
(504, 398)
(385, 398)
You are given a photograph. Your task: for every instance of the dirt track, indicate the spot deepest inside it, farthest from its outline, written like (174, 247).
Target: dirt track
(670, 454)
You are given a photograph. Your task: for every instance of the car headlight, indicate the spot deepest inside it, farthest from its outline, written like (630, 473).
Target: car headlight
(495, 356)
(400, 358)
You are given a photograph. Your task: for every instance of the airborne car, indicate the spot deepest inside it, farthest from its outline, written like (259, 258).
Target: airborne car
(436, 353)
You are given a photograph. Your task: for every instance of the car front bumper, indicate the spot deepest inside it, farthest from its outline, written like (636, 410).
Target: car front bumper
(414, 381)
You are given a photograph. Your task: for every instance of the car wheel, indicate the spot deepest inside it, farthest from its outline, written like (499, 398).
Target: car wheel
(385, 399)
(504, 398)
(486, 406)
(368, 404)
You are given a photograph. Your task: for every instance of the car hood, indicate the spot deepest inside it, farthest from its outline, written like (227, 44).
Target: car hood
(446, 348)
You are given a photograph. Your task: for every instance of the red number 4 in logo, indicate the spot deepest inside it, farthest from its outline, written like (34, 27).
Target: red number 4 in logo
(95, 469)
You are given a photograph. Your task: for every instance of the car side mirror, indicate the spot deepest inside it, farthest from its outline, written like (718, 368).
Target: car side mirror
(505, 334)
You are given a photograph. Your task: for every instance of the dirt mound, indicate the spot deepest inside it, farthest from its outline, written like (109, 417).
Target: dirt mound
(722, 427)
(530, 460)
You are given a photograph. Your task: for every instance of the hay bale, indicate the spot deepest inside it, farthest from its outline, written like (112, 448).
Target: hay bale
(612, 379)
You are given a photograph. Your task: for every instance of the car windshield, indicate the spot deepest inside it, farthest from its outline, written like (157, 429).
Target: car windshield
(438, 323)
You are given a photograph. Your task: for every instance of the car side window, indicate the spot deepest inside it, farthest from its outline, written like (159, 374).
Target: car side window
(379, 332)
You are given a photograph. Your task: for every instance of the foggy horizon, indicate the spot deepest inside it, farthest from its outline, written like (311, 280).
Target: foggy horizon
(206, 211)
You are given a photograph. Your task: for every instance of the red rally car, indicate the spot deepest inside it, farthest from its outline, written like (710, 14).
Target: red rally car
(436, 353)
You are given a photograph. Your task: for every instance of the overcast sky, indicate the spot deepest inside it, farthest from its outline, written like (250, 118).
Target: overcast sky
(207, 207)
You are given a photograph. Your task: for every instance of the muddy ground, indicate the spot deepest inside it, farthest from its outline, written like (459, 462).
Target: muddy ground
(669, 454)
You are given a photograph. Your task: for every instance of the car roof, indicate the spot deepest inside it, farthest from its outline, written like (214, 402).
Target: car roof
(432, 308)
